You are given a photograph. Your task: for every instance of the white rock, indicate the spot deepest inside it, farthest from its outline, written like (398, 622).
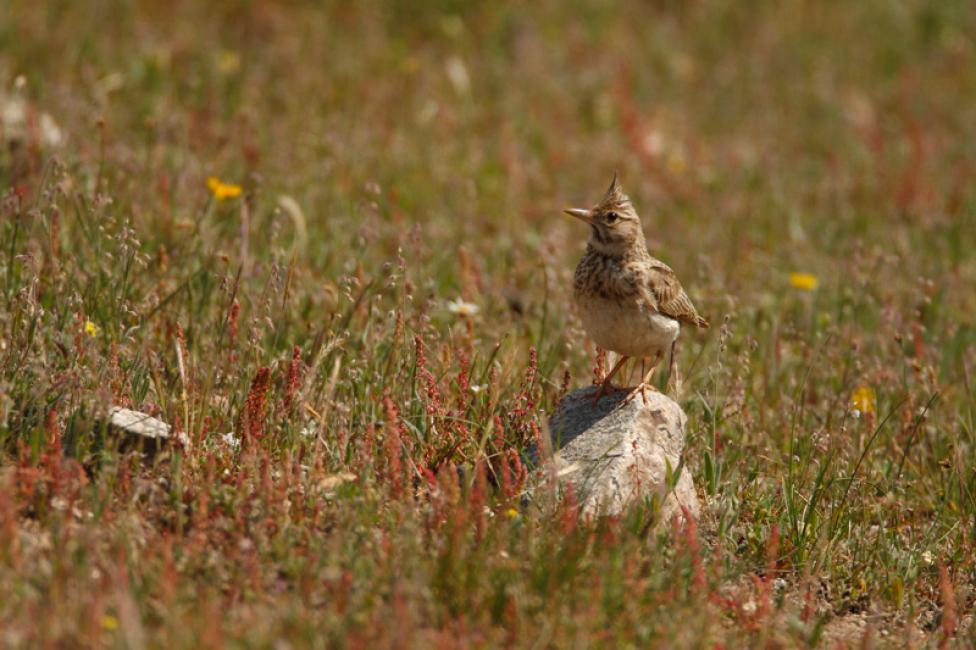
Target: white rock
(138, 424)
(150, 432)
(614, 454)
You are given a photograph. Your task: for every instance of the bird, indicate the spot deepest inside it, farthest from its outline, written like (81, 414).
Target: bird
(630, 302)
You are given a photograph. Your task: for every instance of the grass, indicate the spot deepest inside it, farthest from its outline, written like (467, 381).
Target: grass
(392, 159)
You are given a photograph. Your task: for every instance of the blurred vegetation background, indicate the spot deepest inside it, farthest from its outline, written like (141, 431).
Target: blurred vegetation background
(323, 240)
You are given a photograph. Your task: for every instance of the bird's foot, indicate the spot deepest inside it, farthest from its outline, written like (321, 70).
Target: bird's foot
(640, 389)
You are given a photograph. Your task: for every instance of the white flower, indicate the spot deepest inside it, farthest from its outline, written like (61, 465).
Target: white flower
(477, 388)
(230, 440)
(50, 132)
(457, 74)
(463, 308)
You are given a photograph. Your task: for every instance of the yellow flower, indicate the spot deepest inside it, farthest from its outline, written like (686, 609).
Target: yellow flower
(222, 190)
(228, 62)
(677, 163)
(110, 623)
(864, 400)
(512, 513)
(804, 281)
(91, 329)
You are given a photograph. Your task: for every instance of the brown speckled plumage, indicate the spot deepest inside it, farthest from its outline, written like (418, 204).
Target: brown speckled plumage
(607, 276)
(635, 275)
(631, 303)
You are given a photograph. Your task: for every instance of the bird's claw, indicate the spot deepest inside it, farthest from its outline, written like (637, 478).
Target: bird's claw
(642, 389)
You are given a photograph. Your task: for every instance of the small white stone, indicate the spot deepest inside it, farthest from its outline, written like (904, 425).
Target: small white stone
(138, 424)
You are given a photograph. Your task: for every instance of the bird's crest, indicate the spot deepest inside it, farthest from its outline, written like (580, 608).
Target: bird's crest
(614, 199)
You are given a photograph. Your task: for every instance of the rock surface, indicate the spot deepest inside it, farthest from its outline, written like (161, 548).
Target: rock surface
(614, 453)
(146, 431)
(137, 423)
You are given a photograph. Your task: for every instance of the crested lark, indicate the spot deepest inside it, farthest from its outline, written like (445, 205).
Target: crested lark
(630, 302)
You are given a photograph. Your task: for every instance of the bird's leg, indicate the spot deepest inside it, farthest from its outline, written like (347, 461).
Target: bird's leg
(645, 385)
(606, 387)
(613, 371)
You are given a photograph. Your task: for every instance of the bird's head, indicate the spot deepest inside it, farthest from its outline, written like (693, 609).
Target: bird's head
(614, 224)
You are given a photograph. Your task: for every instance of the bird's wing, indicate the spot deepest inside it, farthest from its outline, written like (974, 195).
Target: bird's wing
(671, 297)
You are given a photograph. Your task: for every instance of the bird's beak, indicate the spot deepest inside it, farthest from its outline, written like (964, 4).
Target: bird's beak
(582, 215)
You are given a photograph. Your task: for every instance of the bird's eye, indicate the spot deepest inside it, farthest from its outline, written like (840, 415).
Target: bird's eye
(612, 216)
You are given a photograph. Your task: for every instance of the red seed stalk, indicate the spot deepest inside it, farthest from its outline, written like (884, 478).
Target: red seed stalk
(947, 597)
(294, 378)
(564, 385)
(393, 447)
(463, 398)
(522, 417)
(569, 517)
(600, 366)
(433, 403)
(479, 498)
(255, 406)
(513, 474)
(693, 549)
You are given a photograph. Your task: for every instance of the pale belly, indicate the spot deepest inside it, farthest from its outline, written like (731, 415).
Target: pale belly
(631, 331)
